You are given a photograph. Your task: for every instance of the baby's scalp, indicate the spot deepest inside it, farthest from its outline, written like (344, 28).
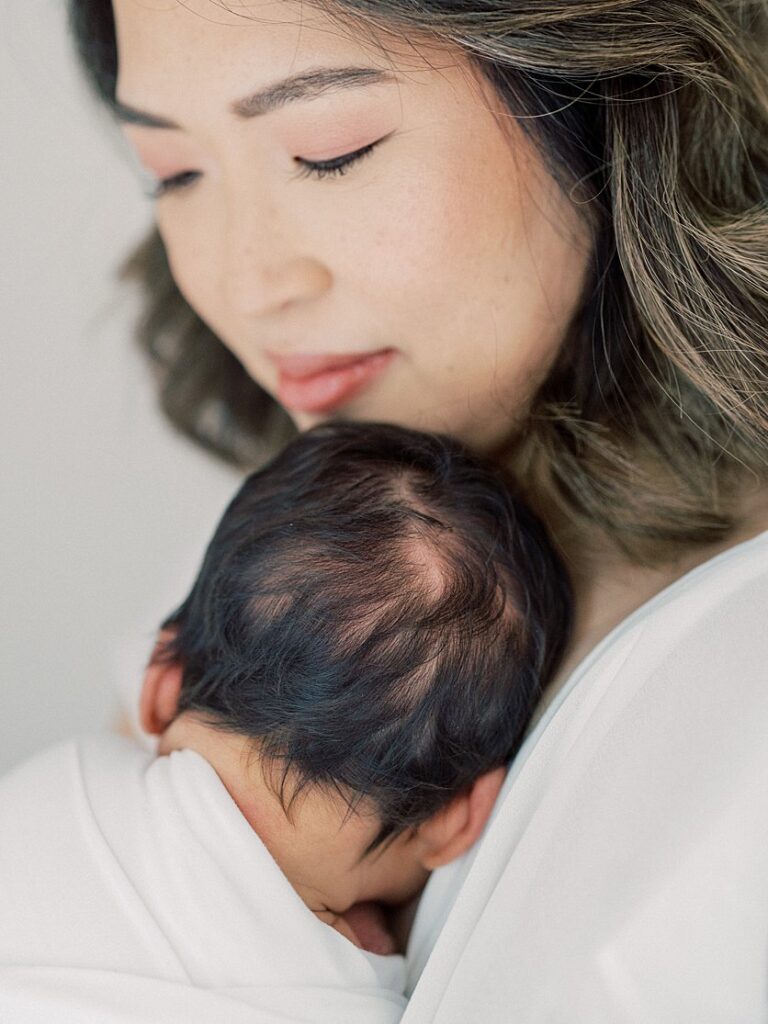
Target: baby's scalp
(378, 612)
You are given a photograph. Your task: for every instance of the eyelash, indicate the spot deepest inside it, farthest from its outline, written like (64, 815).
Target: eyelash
(309, 169)
(338, 166)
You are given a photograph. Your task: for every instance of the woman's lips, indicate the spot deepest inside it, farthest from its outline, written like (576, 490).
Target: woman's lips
(322, 383)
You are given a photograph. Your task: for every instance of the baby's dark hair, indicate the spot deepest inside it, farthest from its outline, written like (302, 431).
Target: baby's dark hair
(379, 613)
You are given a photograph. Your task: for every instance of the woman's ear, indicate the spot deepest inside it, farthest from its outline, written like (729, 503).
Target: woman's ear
(161, 688)
(454, 828)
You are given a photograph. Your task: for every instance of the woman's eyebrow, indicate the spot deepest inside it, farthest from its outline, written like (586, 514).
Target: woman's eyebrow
(304, 86)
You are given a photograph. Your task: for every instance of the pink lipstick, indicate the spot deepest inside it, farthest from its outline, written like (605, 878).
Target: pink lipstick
(308, 383)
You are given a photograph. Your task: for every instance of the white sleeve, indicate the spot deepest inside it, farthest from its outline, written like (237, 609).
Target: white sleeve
(624, 877)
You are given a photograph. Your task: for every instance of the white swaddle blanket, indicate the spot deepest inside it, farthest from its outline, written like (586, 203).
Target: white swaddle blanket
(132, 889)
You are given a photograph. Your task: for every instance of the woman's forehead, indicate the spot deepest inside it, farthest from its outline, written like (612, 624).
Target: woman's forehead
(203, 54)
(203, 38)
(278, 29)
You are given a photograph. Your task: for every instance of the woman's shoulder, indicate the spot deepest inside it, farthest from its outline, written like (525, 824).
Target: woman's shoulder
(727, 588)
(724, 577)
(692, 659)
(627, 853)
(716, 602)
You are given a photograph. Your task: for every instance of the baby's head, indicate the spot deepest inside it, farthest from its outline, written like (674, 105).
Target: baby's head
(360, 654)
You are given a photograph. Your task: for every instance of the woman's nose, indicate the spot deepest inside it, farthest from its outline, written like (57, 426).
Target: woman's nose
(266, 271)
(259, 286)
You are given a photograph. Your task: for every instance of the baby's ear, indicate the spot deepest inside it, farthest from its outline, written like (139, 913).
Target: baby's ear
(161, 688)
(455, 827)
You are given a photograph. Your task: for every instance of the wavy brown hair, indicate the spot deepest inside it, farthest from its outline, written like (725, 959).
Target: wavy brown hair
(653, 116)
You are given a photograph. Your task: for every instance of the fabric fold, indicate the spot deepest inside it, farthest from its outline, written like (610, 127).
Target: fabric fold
(136, 875)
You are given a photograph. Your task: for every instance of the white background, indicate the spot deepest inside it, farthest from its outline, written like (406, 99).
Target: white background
(104, 510)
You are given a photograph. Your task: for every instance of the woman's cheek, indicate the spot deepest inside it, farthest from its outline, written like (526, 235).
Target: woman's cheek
(435, 224)
(192, 254)
(407, 242)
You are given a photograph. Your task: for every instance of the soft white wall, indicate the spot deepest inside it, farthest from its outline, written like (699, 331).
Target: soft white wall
(104, 510)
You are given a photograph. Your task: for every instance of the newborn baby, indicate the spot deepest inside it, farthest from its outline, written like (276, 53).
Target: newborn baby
(335, 702)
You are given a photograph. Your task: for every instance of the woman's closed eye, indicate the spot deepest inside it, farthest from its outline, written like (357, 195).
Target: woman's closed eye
(154, 190)
(319, 169)
(338, 166)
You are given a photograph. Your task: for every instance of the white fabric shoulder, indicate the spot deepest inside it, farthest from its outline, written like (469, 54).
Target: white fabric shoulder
(624, 875)
(126, 879)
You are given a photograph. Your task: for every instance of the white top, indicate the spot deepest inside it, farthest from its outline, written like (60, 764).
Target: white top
(133, 889)
(624, 874)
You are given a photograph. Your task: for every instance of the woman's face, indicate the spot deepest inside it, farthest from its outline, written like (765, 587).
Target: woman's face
(428, 283)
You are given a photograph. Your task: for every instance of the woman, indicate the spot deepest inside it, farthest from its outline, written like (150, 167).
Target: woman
(543, 228)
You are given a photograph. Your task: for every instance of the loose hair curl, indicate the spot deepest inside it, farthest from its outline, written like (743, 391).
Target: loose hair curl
(653, 116)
